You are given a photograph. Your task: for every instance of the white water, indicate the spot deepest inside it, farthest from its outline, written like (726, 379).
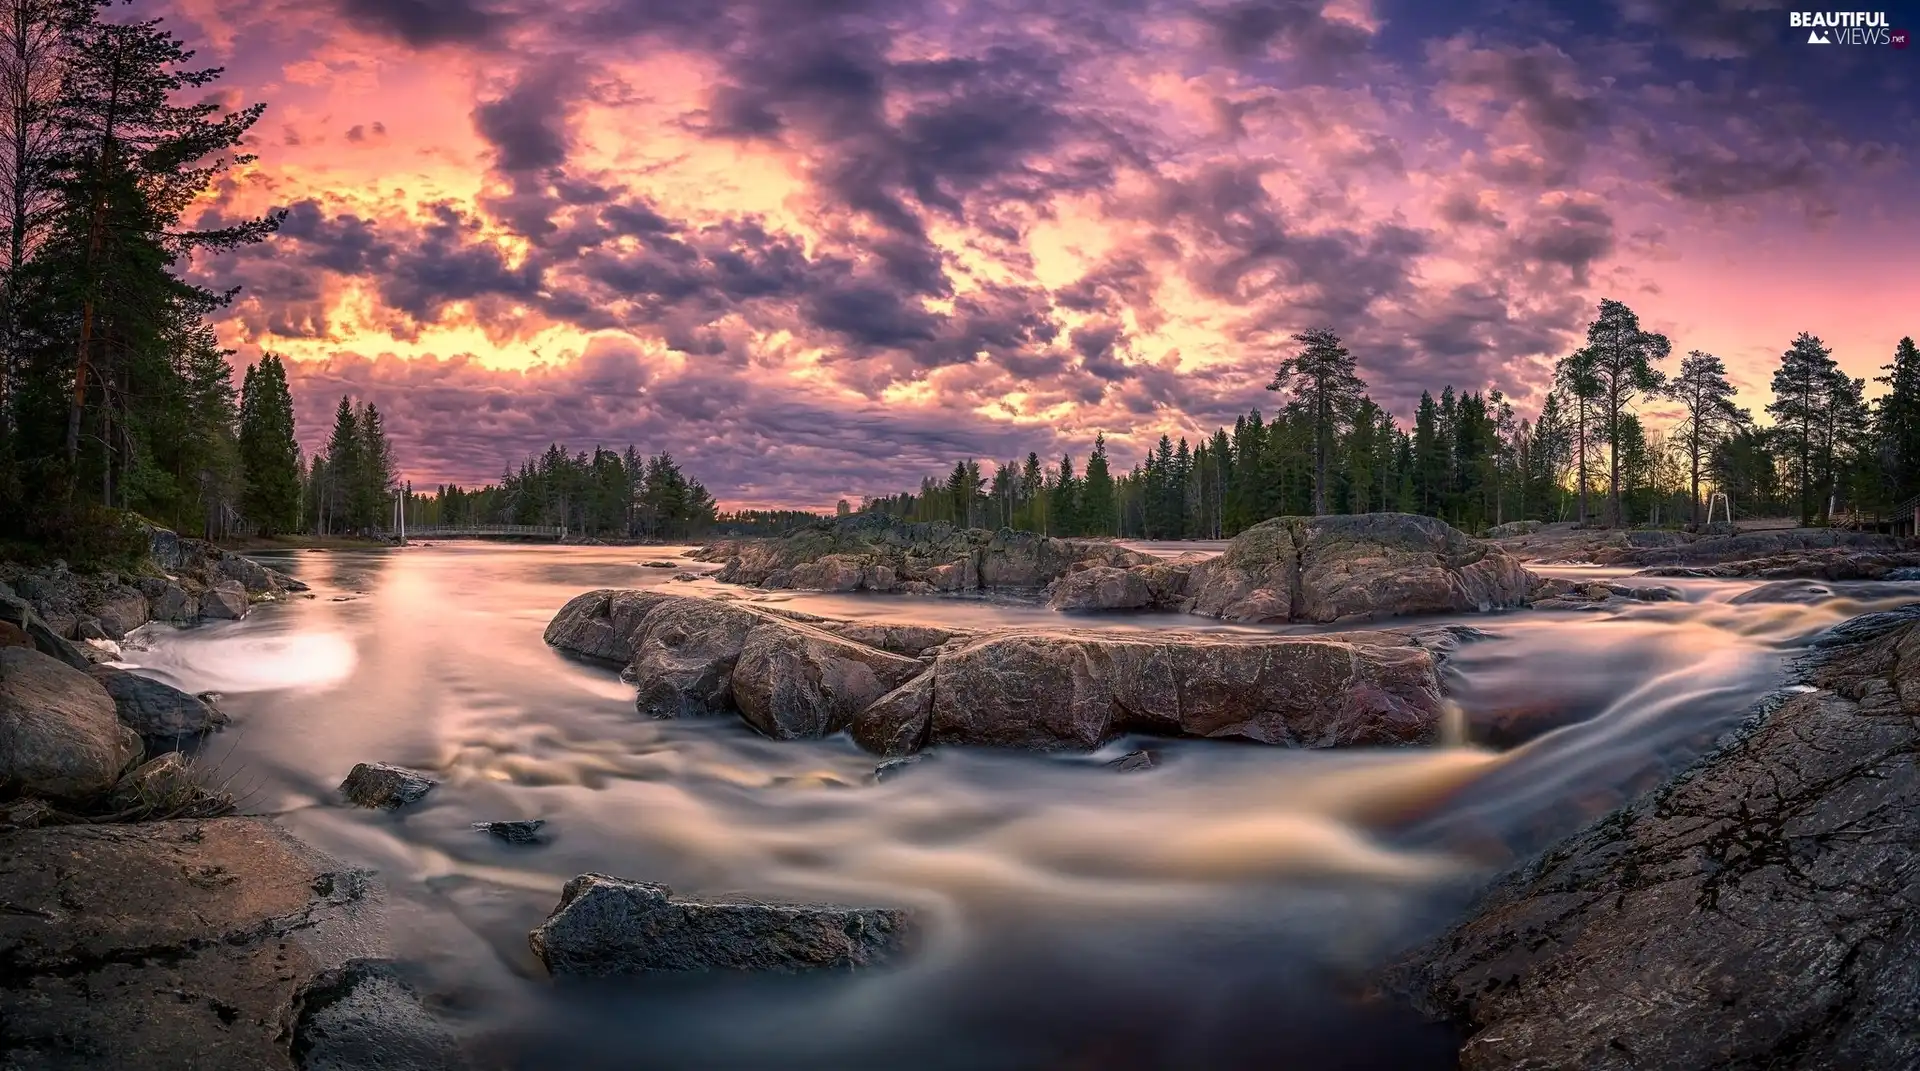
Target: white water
(1220, 911)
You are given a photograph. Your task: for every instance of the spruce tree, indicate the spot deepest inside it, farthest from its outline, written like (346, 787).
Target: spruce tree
(1802, 389)
(1064, 510)
(1897, 421)
(1323, 379)
(269, 454)
(374, 489)
(345, 470)
(1096, 499)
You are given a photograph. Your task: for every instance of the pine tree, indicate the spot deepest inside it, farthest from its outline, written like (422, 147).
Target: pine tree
(269, 454)
(1802, 389)
(1897, 421)
(374, 489)
(1097, 512)
(1064, 509)
(1709, 415)
(1622, 356)
(346, 470)
(1323, 379)
(1575, 374)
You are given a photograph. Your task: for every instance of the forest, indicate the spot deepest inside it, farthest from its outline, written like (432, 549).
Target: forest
(1828, 456)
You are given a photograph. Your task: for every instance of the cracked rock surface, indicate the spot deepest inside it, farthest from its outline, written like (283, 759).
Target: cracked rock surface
(207, 944)
(1760, 911)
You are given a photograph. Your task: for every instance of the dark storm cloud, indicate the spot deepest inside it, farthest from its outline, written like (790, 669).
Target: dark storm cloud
(426, 23)
(527, 125)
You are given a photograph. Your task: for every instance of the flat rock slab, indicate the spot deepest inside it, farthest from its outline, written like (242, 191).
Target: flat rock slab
(376, 784)
(607, 926)
(178, 944)
(1761, 910)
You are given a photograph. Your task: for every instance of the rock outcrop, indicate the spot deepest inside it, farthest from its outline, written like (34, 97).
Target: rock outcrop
(190, 579)
(607, 926)
(60, 737)
(220, 945)
(1820, 564)
(1559, 593)
(1758, 911)
(872, 552)
(792, 678)
(1320, 570)
(1079, 690)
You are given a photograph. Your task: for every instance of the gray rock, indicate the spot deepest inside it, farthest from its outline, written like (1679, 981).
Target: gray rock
(59, 736)
(1757, 911)
(1135, 762)
(897, 723)
(363, 1017)
(121, 610)
(523, 831)
(1513, 528)
(159, 712)
(173, 604)
(608, 926)
(225, 600)
(376, 784)
(657, 564)
(21, 615)
(214, 945)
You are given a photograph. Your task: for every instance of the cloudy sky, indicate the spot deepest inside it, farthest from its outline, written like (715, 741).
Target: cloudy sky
(820, 247)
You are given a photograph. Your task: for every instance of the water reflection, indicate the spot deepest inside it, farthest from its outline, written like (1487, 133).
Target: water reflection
(1215, 911)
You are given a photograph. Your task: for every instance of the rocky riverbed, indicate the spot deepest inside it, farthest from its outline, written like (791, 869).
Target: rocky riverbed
(1068, 825)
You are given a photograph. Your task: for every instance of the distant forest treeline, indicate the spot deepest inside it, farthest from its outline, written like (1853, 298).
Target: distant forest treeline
(1330, 448)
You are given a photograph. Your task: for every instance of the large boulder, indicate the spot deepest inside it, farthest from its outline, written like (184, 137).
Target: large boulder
(220, 945)
(225, 600)
(159, 712)
(120, 610)
(602, 625)
(607, 926)
(59, 735)
(1757, 911)
(795, 682)
(1355, 568)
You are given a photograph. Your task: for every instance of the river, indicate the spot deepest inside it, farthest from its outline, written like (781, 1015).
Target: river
(1222, 910)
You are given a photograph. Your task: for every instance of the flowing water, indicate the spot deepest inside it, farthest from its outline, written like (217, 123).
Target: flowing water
(1222, 910)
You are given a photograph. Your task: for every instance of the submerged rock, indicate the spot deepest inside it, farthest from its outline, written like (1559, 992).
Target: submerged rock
(1757, 911)
(893, 768)
(376, 784)
(59, 735)
(607, 926)
(522, 831)
(158, 711)
(217, 945)
(1135, 761)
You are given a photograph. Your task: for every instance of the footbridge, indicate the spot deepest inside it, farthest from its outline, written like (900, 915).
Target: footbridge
(483, 531)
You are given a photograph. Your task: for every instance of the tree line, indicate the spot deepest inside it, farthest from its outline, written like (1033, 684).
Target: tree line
(1587, 456)
(604, 494)
(114, 393)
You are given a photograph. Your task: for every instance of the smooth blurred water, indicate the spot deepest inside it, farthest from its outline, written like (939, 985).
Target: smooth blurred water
(1221, 911)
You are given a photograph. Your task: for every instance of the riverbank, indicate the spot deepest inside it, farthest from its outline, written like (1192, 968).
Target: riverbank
(1240, 890)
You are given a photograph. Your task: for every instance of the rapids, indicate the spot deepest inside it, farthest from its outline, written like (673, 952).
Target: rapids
(1222, 910)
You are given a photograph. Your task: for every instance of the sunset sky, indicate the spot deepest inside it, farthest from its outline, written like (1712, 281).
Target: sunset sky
(819, 248)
